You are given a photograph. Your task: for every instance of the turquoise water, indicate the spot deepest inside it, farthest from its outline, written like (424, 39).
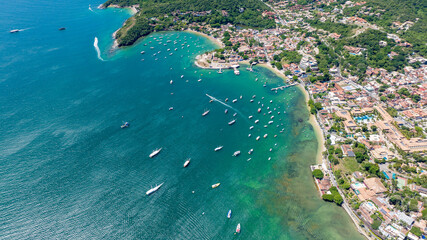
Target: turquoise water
(68, 171)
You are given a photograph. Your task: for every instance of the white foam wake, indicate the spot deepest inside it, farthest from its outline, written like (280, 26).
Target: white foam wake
(225, 104)
(95, 44)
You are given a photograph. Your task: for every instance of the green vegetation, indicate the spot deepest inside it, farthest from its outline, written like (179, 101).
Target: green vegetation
(288, 57)
(314, 107)
(333, 197)
(416, 231)
(317, 173)
(344, 29)
(158, 15)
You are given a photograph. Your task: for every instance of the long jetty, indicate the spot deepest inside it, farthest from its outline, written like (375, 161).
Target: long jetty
(283, 87)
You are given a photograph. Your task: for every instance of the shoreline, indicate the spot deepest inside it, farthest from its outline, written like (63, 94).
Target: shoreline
(132, 9)
(312, 120)
(216, 41)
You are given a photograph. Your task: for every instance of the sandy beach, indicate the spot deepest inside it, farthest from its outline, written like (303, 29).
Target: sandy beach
(214, 40)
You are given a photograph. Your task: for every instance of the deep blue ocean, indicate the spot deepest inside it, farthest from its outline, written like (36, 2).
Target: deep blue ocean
(68, 171)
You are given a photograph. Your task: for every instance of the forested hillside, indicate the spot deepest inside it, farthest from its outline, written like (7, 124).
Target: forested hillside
(171, 14)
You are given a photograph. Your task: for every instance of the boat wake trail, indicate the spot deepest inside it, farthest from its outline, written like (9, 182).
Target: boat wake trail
(225, 104)
(95, 44)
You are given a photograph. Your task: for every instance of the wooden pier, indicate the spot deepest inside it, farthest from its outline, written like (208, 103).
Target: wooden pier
(283, 87)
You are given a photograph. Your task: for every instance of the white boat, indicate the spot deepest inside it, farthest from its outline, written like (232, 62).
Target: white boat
(234, 114)
(218, 148)
(152, 190)
(270, 122)
(226, 100)
(142, 52)
(257, 121)
(257, 138)
(14, 31)
(155, 152)
(259, 110)
(231, 122)
(229, 214)
(220, 71)
(236, 153)
(171, 108)
(187, 162)
(249, 135)
(251, 151)
(250, 117)
(125, 125)
(234, 100)
(226, 111)
(216, 185)
(238, 228)
(265, 135)
(251, 127)
(182, 76)
(171, 82)
(205, 112)
(251, 100)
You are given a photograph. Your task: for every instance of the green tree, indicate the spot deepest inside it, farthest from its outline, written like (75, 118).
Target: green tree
(317, 173)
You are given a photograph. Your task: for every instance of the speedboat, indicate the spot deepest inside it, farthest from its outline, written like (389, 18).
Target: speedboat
(155, 152)
(257, 138)
(234, 100)
(232, 122)
(251, 127)
(238, 228)
(187, 162)
(205, 112)
(270, 122)
(229, 214)
(236, 153)
(125, 125)
(250, 117)
(14, 31)
(152, 190)
(256, 121)
(216, 185)
(218, 148)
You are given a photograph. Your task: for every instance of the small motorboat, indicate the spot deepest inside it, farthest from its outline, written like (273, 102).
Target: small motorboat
(216, 185)
(229, 214)
(187, 162)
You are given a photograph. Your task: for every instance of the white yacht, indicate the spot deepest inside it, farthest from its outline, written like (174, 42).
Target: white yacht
(155, 152)
(152, 190)
(236, 153)
(187, 162)
(218, 148)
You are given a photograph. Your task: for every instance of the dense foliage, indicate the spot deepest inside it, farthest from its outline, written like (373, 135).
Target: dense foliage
(156, 15)
(344, 29)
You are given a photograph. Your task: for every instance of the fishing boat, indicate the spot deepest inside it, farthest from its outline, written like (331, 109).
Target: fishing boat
(205, 112)
(229, 214)
(125, 125)
(152, 190)
(236, 153)
(155, 152)
(238, 228)
(187, 162)
(216, 185)
(218, 148)
(231, 122)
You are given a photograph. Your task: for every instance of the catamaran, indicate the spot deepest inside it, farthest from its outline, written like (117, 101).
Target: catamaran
(187, 162)
(218, 148)
(232, 122)
(155, 152)
(216, 185)
(205, 112)
(152, 190)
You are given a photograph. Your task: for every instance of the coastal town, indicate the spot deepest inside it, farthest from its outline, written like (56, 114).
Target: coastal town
(371, 114)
